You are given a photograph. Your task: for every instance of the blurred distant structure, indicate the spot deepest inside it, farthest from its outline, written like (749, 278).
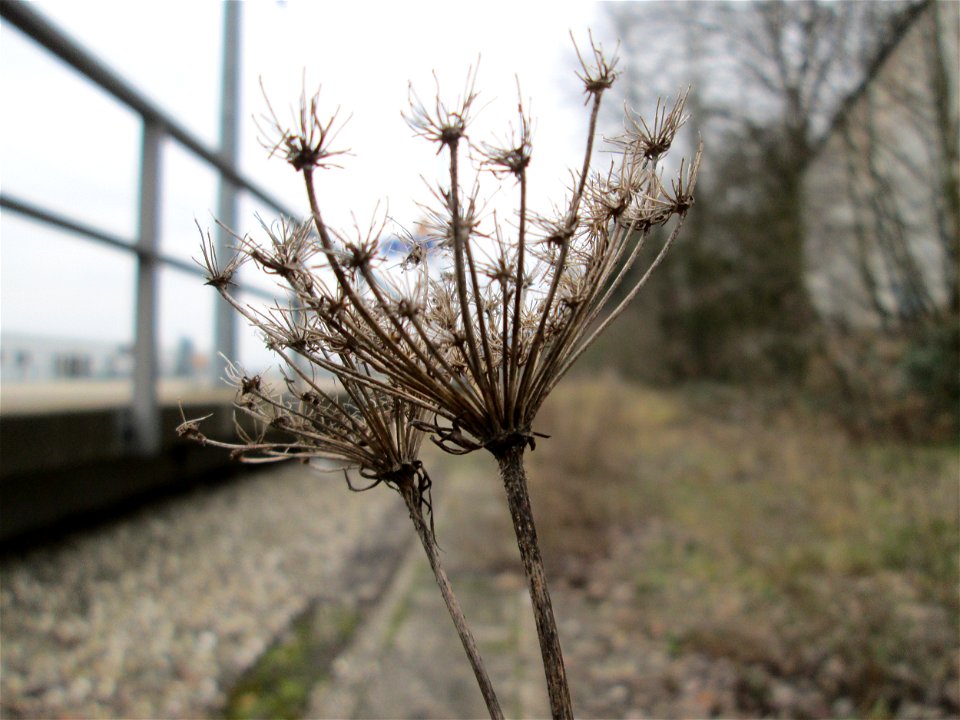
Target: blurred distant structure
(28, 358)
(882, 225)
(882, 221)
(38, 358)
(823, 249)
(88, 421)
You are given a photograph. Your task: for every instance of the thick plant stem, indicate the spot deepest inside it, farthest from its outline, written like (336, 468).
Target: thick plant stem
(453, 606)
(510, 460)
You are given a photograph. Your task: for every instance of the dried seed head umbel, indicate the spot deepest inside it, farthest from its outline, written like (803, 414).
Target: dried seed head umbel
(481, 353)
(484, 370)
(474, 354)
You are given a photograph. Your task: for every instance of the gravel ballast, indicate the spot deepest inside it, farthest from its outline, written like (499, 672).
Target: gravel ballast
(155, 615)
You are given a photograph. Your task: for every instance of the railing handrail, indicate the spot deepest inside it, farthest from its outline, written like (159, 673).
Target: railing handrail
(57, 220)
(144, 417)
(20, 15)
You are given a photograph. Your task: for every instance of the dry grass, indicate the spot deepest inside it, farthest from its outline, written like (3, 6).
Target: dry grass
(584, 472)
(760, 534)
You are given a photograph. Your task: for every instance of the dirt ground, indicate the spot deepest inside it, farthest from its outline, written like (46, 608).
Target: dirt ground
(709, 556)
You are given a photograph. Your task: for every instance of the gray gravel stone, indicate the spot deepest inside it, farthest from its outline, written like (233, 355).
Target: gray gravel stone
(155, 615)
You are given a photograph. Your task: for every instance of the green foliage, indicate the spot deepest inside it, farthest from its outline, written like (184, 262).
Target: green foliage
(932, 367)
(279, 685)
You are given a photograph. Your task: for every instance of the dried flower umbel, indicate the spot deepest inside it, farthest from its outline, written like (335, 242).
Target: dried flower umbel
(474, 353)
(352, 425)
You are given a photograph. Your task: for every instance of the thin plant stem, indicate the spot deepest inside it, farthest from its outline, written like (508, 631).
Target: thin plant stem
(513, 476)
(460, 251)
(408, 491)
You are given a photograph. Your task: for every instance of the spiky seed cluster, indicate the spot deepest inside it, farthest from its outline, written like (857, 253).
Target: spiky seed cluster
(653, 140)
(511, 157)
(470, 354)
(443, 124)
(307, 143)
(218, 276)
(599, 75)
(345, 422)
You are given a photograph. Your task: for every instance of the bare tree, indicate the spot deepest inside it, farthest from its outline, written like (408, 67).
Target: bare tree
(768, 80)
(884, 231)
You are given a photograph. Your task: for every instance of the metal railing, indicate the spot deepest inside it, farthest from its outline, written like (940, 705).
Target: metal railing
(157, 126)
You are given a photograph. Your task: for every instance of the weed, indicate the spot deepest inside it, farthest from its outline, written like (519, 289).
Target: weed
(279, 685)
(772, 543)
(469, 357)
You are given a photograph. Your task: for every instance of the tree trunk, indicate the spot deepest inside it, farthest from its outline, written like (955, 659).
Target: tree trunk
(510, 461)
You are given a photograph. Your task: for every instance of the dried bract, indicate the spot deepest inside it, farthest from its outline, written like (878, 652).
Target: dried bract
(599, 75)
(654, 140)
(512, 156)
(219, 276)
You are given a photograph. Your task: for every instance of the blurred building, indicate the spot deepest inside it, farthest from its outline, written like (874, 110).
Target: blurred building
(881, 225)
(38, 358)
(34, 358)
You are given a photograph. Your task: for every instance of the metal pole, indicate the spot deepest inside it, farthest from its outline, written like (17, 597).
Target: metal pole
(225, 335)
(146, 414)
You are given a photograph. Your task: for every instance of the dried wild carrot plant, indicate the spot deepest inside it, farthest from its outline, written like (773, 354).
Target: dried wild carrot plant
(472, 353)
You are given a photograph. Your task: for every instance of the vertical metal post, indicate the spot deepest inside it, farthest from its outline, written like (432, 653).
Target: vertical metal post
(145, 411)
(225, 335)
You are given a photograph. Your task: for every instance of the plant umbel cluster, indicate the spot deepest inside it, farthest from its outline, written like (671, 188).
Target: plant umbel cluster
(466, 341)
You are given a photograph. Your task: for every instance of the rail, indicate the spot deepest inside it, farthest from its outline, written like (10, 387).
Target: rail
(157, 125)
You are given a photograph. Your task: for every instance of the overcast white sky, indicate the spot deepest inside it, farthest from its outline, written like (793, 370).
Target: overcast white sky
(66, 144)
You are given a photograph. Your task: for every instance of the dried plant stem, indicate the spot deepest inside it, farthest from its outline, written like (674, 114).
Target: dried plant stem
(409, 493)
(461, 249)
(510, 462)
